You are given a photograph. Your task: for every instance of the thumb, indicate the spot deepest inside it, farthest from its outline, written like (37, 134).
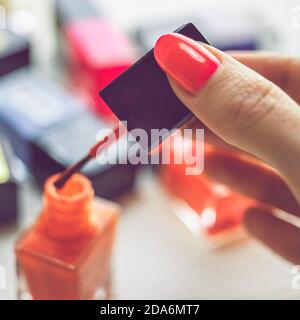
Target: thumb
(242, 107)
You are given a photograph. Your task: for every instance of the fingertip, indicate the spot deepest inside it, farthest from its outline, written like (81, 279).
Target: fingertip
(185, 60)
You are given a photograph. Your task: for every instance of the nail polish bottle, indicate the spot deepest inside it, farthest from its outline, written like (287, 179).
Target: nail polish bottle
(66, 254)
(96, 51)
(209, 210)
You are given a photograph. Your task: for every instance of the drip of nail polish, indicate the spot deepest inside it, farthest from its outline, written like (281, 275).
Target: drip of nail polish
(92, 154)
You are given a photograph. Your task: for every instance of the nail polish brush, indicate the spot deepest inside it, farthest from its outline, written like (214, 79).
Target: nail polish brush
(92, 154)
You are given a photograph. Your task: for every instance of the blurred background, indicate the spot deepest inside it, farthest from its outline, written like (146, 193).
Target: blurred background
(55, 56)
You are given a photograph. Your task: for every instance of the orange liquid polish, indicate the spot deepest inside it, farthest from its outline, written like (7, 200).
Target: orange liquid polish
(208, 209)
(67, 253)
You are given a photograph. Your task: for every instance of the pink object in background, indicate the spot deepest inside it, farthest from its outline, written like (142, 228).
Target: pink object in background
(97, 52)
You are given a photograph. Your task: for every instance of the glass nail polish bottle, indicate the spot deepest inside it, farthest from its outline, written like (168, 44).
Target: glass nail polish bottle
(208, 209)
(66, 254)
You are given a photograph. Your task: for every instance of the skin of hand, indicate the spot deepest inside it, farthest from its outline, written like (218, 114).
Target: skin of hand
(249, 102)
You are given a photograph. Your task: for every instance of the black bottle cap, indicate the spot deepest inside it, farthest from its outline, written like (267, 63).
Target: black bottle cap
(142, 95)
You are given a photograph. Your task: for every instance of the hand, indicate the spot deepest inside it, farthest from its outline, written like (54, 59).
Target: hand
(251, 103)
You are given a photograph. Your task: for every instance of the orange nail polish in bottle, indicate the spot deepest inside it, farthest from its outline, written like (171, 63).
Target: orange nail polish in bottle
(208, 209)
(66, 254)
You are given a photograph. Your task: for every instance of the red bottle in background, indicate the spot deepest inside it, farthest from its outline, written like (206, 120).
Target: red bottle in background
(66, 254)
(205, 207)
(96, 50)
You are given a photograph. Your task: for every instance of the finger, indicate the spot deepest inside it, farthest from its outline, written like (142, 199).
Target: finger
(250, 178)
(281, 236)
(235, 102)
(283, 71)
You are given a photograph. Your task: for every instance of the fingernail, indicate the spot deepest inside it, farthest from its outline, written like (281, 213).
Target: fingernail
(189, 63)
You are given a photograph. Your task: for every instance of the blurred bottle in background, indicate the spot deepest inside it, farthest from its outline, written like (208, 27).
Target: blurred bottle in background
(208, 209)
(96, 51)
(226, 28)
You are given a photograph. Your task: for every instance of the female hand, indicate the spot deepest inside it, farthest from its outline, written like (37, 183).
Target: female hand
(252, 103)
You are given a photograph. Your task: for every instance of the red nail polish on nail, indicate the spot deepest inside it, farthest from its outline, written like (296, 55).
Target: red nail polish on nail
(185, 60)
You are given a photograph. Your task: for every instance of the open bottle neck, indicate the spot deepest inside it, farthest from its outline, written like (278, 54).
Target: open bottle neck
(66, 211)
